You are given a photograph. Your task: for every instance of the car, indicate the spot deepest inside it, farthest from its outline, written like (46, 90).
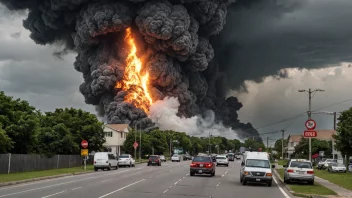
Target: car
(337, 167)
(187, 157)
(222, 160)
(154, 160)
(255, 167)
(126, 160)
(202, 165)
(238, 156)
(231, 157)
(105, 160)
(176, 158)
(162, 158)
(324, 164)
(299, 170)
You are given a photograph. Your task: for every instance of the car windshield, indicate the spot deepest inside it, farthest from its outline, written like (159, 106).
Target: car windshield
(201, 159)
(221, 157)
(258, 163)
(296, 164)
(175, 156)
(230, 154)
(153, 157)
(124, 156)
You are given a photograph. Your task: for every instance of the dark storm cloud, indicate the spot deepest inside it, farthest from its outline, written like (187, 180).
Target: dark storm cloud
(262, 38)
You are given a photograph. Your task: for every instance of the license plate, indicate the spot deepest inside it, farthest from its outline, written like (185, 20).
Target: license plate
(201, 165)
(200, 171)
(257, 179)
(301, 172)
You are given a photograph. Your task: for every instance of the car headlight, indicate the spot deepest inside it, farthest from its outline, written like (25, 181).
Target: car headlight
(246, 173)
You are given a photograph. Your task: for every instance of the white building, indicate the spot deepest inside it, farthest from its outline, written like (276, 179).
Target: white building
(115, 135)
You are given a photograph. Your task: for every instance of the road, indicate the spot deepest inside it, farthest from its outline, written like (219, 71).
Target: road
(171, 180)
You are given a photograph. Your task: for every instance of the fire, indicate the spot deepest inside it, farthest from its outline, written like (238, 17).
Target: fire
(134, 81)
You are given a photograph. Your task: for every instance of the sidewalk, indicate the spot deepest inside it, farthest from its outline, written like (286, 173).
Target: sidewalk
(342, 192)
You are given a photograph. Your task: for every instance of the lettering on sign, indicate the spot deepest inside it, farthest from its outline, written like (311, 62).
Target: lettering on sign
(310, 134)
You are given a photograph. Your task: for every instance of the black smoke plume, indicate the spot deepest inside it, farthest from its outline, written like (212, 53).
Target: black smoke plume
(175, 35)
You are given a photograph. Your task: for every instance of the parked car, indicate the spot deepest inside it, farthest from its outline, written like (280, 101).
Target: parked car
(176, 158)
(187, 157)
(127, 160)
(222, 160)
(202, 165)
(336, 167)
(299, 170)
(105, 160)
(324, 164)
(162, 158)
(154, 160)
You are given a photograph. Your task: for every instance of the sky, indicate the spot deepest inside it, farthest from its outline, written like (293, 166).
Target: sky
(311, 35)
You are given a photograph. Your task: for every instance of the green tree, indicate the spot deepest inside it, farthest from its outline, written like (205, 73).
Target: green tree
(21, 123)
(6, 144)
(253, 144)
(302, 149)
(343, 136)
(71, 126)
(158, 141)
(278, 146)
(133, 136)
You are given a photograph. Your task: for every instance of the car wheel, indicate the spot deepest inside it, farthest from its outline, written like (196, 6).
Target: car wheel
(241, 179)
(311, 182)
(192, 174)
(130, 164)
(270, 183)
(244, 182)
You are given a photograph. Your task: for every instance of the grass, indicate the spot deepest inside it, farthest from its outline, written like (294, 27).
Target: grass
(342, 179)
(282, 162)
(303, 190)
(35, 174)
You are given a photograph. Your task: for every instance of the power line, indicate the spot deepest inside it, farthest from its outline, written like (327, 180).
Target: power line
(301, 114)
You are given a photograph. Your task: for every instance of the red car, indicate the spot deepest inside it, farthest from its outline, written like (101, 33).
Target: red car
(202, 165)
(154, 160)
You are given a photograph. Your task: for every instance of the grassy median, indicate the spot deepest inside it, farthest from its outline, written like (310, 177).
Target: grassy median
(35, 174)
(282, 162)
(342, 179)
(304, 189)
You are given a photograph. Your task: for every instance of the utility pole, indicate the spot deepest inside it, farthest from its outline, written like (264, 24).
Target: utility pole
(140, 145)
(267, 143)
(282, 143)
(170, 145)
(209, 144)
(135, 140)
(332, 142)
(310, 91)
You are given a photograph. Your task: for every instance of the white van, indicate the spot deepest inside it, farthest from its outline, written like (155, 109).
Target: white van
(105, 160)
(255, 167)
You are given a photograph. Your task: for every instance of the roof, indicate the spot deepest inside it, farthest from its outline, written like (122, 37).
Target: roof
(321, 135)
(325, 134)
(257, 155)
(117, 127)
(294, 138)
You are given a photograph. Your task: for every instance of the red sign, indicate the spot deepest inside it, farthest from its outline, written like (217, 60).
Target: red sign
(135, 145)
(310, 124)
(310, 133)
(84, 144)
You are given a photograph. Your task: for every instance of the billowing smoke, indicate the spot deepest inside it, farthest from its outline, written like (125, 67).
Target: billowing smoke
(174, 39)
(164, 114)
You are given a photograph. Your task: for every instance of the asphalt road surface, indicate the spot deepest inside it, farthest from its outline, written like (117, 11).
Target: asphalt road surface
(170, 180)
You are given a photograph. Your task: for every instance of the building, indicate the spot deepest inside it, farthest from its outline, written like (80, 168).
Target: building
(115, 135)
(293, 140)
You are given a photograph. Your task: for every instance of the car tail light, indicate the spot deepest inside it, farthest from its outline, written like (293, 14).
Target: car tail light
(310, 172)
(193, 165)
(209, 165)
(269, 174)
(95, 162)
(290, 171)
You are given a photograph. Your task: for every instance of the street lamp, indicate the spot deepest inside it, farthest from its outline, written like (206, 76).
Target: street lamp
(310, 92)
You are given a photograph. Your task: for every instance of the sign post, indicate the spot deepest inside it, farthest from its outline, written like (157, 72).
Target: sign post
(309, 133)
(84, 152)
(135, 145)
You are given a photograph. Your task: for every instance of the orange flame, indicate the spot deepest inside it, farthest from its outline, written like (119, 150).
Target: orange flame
(133, 82)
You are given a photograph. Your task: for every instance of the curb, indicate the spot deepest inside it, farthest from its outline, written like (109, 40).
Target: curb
(42, 178)
(282, 182)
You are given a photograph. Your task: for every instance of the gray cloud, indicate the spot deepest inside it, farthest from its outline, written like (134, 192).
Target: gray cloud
(262, 38)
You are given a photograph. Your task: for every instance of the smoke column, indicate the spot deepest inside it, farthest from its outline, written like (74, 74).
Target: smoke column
(173, 39)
